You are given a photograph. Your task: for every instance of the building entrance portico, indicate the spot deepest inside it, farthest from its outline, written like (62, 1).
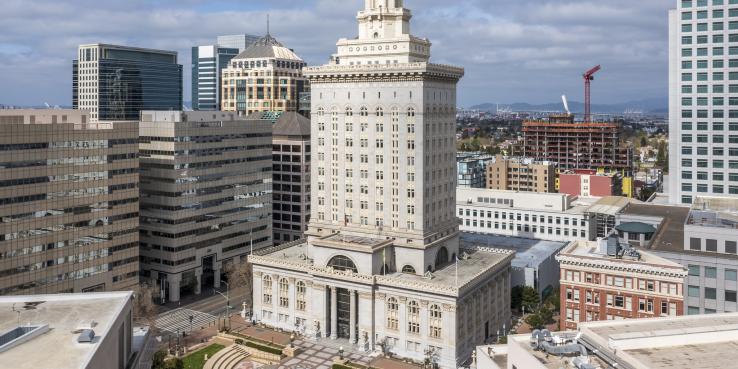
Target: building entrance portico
(342, 313)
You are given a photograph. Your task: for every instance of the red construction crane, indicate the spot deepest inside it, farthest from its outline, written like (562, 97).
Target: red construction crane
(588, 78)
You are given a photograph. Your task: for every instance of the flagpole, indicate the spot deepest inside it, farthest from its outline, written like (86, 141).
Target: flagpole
(456, 262)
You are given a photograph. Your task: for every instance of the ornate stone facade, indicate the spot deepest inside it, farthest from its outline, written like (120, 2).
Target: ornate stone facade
(382, 252)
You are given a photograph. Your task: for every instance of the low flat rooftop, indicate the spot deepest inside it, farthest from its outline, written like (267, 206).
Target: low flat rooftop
(670, 235)
(528, 252)
(479, 260)
(669, 343)
(356, 240)
(610, 205)
(714, 212)
(64, 313)
(457, 274)
(685, 342)
(591, 249)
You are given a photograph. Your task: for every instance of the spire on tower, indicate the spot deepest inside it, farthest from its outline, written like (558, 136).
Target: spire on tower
(267, 24)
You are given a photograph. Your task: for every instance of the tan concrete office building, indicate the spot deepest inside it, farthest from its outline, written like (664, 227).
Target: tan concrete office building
(206, 194)
(521, 174)
(68, 203)
(291, 155)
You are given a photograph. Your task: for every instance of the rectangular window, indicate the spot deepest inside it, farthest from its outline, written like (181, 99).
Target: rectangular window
(731, 275)
(710, 293)
(710, 272)
(711, 245)
(693, 291)
(694, 270)
(730, 296)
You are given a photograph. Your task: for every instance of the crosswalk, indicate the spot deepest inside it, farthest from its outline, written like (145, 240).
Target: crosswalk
(179, 320)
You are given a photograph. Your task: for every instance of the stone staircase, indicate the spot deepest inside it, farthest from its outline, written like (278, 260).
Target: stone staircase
(227, 358)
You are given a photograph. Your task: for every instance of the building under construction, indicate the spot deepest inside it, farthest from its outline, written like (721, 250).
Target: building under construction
(577, 145)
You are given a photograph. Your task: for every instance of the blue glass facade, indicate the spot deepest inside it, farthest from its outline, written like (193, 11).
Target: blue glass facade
(116, 82)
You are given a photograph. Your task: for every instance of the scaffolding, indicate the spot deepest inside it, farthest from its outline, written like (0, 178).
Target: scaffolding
(577, 145)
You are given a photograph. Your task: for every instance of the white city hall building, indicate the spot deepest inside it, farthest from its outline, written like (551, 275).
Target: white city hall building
(382, 268)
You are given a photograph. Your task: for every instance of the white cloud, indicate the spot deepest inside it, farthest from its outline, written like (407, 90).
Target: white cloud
(530, 50)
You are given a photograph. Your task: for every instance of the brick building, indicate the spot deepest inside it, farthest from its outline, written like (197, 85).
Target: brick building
(585, 182)
(607, 280)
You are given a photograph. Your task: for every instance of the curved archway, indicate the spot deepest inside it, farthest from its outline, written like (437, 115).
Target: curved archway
(342, 263)
(441, 257)
(408, 269)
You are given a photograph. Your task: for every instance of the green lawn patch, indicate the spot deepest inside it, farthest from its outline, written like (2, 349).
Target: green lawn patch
(196, 360)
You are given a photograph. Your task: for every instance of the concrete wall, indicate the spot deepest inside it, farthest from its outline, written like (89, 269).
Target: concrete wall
(114, 347)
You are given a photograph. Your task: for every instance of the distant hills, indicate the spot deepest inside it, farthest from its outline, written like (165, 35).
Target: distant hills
(647, 106)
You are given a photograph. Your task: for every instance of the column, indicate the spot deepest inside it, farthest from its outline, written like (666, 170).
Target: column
(352, 317)
(174, 282)
(198, 281)
(334, 313)
(216, 276)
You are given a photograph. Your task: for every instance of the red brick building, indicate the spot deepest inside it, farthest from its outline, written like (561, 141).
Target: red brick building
(585, 182)
(608, 281)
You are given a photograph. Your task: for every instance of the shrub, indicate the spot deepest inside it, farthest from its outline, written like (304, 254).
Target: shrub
(238, 341)
(271, 350)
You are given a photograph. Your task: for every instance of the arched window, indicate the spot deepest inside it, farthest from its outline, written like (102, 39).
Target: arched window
(301, 290)
(364, 112)
(342, 263)
(349, 112)
(413, 318)
(284, 293)
(321, 112)
(408, 269)
(393, 312)
(380, 112)
(435, 322)
(266, 288)
(411, 112)
(441, 257)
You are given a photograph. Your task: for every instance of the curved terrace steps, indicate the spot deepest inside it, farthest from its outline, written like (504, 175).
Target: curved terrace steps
(227, 358)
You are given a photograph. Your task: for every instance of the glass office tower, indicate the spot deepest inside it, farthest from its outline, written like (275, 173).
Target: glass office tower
(207, 62)
(240, 42)
(117, 82)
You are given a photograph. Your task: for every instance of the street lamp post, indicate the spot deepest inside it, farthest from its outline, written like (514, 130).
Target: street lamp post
(228, 300)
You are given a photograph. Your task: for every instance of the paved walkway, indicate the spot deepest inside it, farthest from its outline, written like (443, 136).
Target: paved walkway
(387, 363)
(317, 356)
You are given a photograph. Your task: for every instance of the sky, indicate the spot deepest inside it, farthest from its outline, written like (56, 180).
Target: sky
(513, 50)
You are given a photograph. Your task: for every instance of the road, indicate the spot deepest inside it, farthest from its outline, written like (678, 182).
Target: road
(204, 310)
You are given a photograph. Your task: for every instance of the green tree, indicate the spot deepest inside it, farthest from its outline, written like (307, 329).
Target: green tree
(644, 141)
(540, 318)
(535, 321)
(158, 359)
(530, 298)
(662, 156)
(175, 363)
(553, 300)
(516, 297)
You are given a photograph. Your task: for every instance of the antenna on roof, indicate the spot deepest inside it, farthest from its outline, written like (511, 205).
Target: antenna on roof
(268, 25)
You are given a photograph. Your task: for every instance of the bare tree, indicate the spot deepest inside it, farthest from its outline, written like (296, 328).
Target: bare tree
(145, 310)
(240, 275)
